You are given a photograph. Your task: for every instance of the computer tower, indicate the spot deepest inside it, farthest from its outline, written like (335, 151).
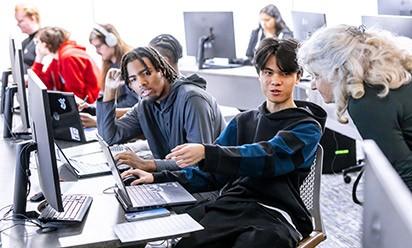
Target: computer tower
(339, 151)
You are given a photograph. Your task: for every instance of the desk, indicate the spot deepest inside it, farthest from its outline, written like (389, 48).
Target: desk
(96, 230)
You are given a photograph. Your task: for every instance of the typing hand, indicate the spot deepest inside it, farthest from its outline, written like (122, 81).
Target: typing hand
(142, 176)
(88, 120)
(113, 79)
(187, 154)
(130, 158)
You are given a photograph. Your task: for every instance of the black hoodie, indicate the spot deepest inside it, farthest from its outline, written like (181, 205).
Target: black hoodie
(262, 157)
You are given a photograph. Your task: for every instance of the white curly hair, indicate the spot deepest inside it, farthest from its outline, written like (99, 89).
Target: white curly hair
(349, 57)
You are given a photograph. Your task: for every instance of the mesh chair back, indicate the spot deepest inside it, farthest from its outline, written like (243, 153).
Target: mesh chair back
(310, 190)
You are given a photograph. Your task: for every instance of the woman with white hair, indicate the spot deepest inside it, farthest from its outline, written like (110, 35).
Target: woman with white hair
(367, 73)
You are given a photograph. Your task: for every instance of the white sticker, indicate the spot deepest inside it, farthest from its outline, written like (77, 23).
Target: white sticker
(74, 133)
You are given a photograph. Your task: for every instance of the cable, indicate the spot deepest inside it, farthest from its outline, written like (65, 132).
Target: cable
(106, 190)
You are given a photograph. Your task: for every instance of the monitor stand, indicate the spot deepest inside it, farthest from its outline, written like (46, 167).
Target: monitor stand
(207, 42)
(8, 116)
(21, 181)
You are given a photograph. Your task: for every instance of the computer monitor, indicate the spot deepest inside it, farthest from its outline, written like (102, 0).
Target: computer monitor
(305, 23)
(400, 25)
(209, 35)
(395, 7)
(387, 216)
(12, 50)
(5, 75)
(18, 77)
(43, 136)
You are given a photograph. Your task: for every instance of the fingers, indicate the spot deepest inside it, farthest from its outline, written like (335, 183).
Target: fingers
(176, 152)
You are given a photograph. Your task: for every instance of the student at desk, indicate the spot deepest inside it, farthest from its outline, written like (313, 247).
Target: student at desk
(71, 70)
(169, 47)
(173, 110)
(367, 73)
(261, 158)
(271, 25)
(111, 47)
(28, 20)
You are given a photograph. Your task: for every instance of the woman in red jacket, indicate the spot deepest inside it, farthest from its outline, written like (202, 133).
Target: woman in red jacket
(71, 70)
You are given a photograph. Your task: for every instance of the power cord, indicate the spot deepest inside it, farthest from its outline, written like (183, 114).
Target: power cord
(106, 190)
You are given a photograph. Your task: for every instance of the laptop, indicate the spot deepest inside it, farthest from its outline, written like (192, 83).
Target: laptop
(145, 196)
(66, 119)
(85, 165)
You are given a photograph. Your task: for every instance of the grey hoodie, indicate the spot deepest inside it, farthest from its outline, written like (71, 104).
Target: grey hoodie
(187, 115)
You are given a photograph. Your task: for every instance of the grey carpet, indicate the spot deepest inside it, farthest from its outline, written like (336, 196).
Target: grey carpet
(341, 216)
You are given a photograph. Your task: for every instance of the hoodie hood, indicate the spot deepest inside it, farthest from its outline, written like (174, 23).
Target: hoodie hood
(304, 108)
(71, 47)
(193, 82)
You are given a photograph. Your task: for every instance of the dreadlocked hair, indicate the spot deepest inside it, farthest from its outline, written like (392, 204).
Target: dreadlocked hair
(159, 63)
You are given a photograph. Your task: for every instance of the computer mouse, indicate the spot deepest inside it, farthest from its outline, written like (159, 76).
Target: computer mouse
(129, 179)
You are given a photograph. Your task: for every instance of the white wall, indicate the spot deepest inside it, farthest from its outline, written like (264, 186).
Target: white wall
(139, 21)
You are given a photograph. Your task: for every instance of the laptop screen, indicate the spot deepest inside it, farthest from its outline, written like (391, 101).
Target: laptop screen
(113, 167)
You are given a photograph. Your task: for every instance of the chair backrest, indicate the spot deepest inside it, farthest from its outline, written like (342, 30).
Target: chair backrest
(310, 190)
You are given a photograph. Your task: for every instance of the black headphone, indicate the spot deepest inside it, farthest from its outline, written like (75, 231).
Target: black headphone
(167, 41)
(109, 38)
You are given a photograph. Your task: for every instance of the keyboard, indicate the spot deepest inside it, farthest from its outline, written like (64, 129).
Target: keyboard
(155, 229)
(116, 149)
(75, 209)
(145, 194)
(82, 168)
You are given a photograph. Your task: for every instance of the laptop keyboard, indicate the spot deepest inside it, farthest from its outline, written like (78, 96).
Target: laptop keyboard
(144, 195)
(83, 168)
(75, 208)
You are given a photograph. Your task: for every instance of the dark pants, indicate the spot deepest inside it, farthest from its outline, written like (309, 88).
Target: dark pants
(239, 224)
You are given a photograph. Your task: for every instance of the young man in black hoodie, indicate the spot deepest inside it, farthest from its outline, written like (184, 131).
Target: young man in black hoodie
(261, 158)
(174, 110)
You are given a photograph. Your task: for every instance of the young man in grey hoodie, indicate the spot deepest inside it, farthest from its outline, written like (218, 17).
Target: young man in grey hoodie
(173, 110)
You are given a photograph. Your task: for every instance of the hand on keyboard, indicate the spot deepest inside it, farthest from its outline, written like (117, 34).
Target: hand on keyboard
(130, 158)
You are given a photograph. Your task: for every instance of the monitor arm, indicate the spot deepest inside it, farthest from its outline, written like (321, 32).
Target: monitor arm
(4, 82)
(201, 47)
(21, 181)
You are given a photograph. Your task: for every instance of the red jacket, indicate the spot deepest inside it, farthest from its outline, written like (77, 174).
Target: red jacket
(73, 71)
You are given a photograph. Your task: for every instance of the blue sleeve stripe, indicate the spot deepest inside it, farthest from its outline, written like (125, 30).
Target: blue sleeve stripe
(228, 137)
(282, 157)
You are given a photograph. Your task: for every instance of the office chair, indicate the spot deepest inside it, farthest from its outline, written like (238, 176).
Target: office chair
(310, 194)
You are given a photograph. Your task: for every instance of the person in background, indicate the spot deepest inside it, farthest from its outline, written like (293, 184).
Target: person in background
(111, 47)
(169, 47)
(271, 25)
(71, 70)
(28, 20)
(368, 74)
(258, 162)
(173, 110)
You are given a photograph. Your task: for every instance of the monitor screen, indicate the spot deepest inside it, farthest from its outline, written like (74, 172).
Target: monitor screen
(395, 7)
(12, 50)
(204, 24)
(387, 216)
(305, 23)
(400, 25)
(43, 136)
(18, 77)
